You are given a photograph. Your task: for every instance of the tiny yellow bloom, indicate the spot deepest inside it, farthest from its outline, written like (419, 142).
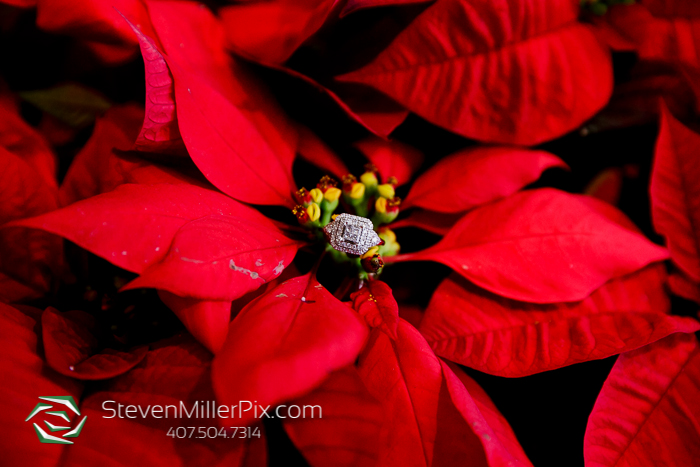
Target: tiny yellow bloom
(380, 205)
(369, 179)
(386, 190)
(332, 194)
(357, 191)
(316, 195)
(314, 212)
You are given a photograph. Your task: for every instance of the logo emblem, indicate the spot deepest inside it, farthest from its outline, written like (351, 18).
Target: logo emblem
(60, 418)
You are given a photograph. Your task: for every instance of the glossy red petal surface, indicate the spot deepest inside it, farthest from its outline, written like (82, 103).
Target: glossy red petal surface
(285, 343)
(542, 246)
(648, 411)
(507, 71)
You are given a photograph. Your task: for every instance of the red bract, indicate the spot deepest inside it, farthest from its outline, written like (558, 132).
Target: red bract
(377, 305)
(509, 338)
(490, 64)
(227, 143)
(477, 176)
(675, 193)
(272, 340)
(429, 412)
(348, 433)
(540, 278)
(270, 32)
(540, 246)
(648, 409)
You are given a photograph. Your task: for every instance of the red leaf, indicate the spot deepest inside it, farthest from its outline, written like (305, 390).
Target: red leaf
(675, 193)
(684, 287)
(69, 346)
(648, 411)
(431, 221)
(422, 426)
(531, 72)
(26, 376)
(98, 23)
(230, 136)
(96, 169)
(375, 302)
(134, 225)
(28, 258)
(508, 338)
(665, 30)
(174, 370)
(204, 262)
(160, 131)
(500, 444)
(315, 151)
(477, 176)
(285, 343)
(355, 5)
(270, 32)
(347, 434)
(541, 246)
(392, 158)
(207, 321)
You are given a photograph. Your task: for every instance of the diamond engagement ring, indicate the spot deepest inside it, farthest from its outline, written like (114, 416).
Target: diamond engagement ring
(352, 234)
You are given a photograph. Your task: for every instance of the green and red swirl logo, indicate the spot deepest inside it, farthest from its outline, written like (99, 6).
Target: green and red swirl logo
(58, 421)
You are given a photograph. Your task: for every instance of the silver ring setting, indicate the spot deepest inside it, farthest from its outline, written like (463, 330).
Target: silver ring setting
(352, 234)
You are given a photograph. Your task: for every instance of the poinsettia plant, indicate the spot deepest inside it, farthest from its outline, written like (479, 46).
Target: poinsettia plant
(365, 206)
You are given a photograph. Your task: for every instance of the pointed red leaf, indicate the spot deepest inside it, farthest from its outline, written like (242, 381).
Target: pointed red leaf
(648, 412)
(375, 302)
(541, 246)
(477, 176)
(347, 434)
(160, 131)
(175, 370)
(315, 151)
(504, 71)
(355, 5)
(221, 258)
(70, 347)
(285, 343)
(25, 377)
(675, 193)
(134, 225)
(684, 287)
(392, 158)
(505, 337)
(422, 426)
(500, 444)
(270, 32)
(213, 109)
(195, 38)
(96, 169)
(206, 320)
